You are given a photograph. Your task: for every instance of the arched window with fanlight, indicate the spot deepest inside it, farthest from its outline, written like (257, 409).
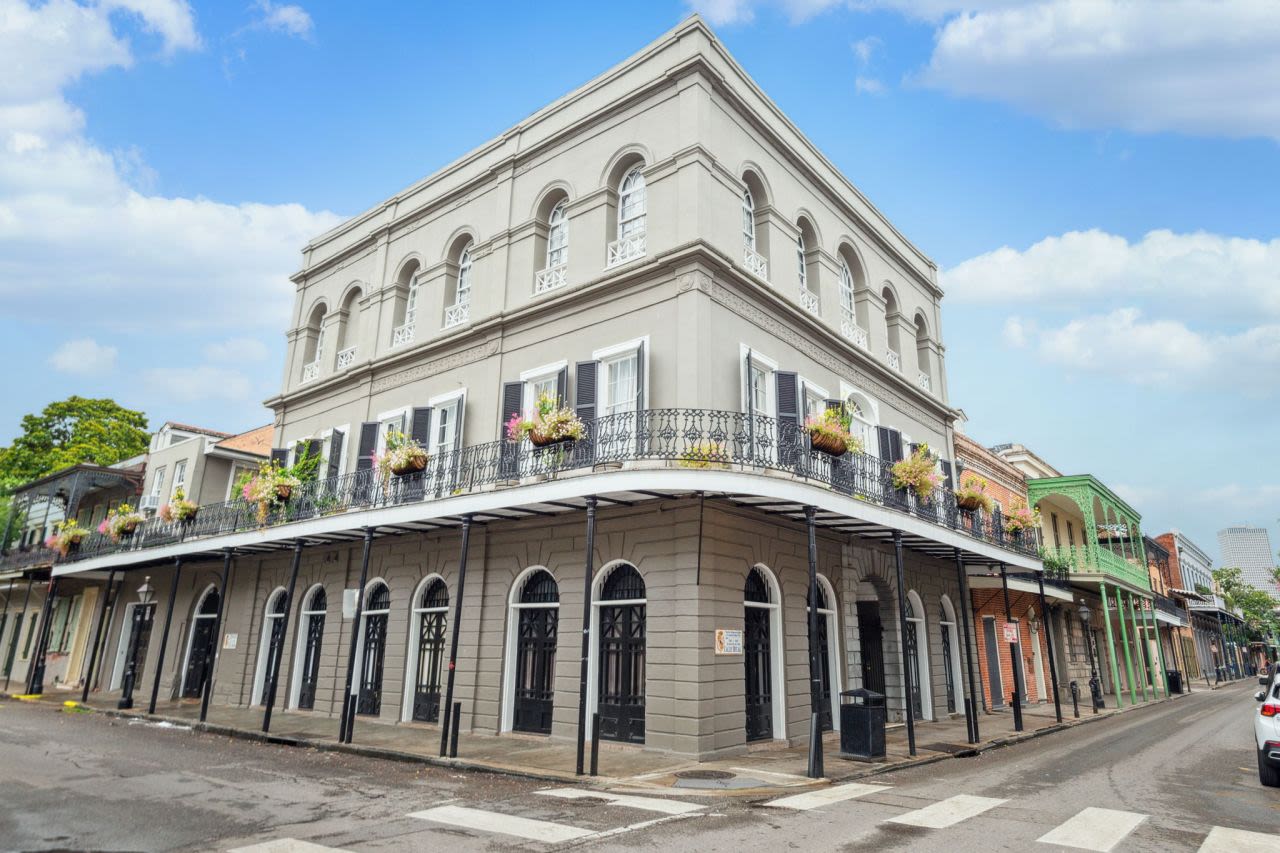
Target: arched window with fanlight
(427, 649)
(748, 219)
(558, 236)
(460, 311)
(632, 219)
(533, 633)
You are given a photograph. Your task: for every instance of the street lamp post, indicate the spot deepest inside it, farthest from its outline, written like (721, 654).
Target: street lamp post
(1095, 686)
(145, 594)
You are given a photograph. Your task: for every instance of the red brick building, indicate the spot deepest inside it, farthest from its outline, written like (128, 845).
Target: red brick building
(1007, 488)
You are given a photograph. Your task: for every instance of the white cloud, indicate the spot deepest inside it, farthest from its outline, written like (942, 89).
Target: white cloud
(1229, 278)
(866, 48)
(1016, 332)
(1206, 68)
(78, 221)
(287, 18)
(237, 350)
(1124, 346)
(84, 357)
(199, 384)
(868, 86)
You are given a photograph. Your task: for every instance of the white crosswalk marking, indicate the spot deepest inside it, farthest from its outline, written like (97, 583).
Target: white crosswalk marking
(1094, 829)
(287, 845)
(948, 812)
(1223, 840)
(827, 796)
(522, 827)
(648, 804)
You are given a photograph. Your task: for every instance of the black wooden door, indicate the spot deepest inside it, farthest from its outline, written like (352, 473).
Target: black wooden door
(535, 669)
(993, 663)
(913, 669)
(139, 639)
(13, 644)
(759, 668)
(622, 657)
(426, 694)
(311, 661)
(824, 674)
(371, 661)
(871, 640)
(198, 657)
(946, 669)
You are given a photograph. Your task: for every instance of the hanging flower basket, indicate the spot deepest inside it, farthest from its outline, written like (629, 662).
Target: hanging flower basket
(972, 494)
(549, 423)
(968, 502)
(409, 465)
(403, 456)
(120, 522)
(66, 537)
(829, 444)
(917, 473)
(284, 491)
(539, 439)
(829, 433)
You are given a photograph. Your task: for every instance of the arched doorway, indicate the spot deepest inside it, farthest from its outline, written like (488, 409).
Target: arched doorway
(870, 638)
(427, 645)
(311, 637)
(200, 644)
(269, 644)
(373, 648)
(916, 638)
(762, 662)
(1035, 626)
(532, 631)
(952, 635)
(620, 654)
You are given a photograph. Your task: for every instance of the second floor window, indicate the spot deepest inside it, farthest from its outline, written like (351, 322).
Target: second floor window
(631, 205)
(748, 220)
(444, 433)
(846, 290)
(620, 388)
(158, 483)
(180, 475)
(464, 278)
(557, 237)
(804, 278)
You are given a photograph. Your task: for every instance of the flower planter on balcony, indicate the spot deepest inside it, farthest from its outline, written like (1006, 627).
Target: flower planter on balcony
(969, 503)
(828, 444)
(284, 491)
(412, 465)
(539, 440)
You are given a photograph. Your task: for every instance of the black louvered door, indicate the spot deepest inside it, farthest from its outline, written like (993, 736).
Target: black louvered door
(198, 657)
(535, 669)
(759, 671)
(311, 661)
(372, 659)
(871, 642)
(622, 657)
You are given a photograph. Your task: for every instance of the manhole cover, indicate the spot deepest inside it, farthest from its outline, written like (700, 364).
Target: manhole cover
(704, 775)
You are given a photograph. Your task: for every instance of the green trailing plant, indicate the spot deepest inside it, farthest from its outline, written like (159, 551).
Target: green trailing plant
(972, 493)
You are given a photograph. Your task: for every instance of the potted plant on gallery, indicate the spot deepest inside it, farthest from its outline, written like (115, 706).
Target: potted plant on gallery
(66, 537)
(402, 456)
(918, 472)
(548, 423)
(121, 522)
(829, 432)
(179, 509)
(972, 494)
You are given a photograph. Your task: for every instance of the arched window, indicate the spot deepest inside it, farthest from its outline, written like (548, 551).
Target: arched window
(617, 659)
(862, 420)
(846, 293)
(801, 265)
(917, 658)
(347, 331)
(924, 373)
(631, 204)
(828, 655)
(893, 356)
(313, 347)
(460, 311)
(762, 657)
(270, 645)
(373, 648)
(407, 288)
(748, 219)
(558, 236)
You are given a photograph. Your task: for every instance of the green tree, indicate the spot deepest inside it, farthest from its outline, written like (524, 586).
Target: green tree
(1257, 607)
(68, 432)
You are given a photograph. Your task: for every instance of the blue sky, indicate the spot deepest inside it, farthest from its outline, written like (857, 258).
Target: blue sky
(1097, 181)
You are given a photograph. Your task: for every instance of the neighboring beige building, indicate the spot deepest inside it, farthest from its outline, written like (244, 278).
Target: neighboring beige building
(663, 251)
(204, 463)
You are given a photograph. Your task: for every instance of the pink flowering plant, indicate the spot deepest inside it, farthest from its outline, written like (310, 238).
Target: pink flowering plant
(179, 508)
(829, 432)
(972, 493)
(918, 472)
(120, 522)
(66, 536)
(548, 423)
(1020, 518)
(268, 486)
(403, 455)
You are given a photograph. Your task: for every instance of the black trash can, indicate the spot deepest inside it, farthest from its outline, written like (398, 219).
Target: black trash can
(1173, 678)
(862, 722)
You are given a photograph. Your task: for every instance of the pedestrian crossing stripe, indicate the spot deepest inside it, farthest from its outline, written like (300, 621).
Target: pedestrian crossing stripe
(948, 812)
(1223, 840)
(545, 831)
(648, 804)
(827, 796)
(1094, 829)
(287, 845)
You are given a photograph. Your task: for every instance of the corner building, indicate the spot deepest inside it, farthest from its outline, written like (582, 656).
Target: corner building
(663, 251)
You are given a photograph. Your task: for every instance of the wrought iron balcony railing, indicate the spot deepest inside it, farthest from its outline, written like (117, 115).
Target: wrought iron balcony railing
(346, 358)
(692, 439)
(755, 262)
(549, 279)
(1165, 604)
(23, 558)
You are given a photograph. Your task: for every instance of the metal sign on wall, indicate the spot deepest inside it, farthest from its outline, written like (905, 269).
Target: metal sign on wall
(349, 599)
(728, 641)
(1011, 632)
(230, 641)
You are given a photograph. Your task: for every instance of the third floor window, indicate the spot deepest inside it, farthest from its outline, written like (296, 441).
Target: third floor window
(631, 205)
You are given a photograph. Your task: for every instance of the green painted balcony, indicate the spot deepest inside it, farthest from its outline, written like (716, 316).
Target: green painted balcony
(1087, 525)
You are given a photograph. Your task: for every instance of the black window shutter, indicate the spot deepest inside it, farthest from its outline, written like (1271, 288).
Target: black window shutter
(586, 375)
(562, 386)
(314, 447)
(512, 395)
(833, 404)
(280, 454)
(368, 444)
(946, 474)
(895, 439)
(335, 452)
(787, 385)
(640, 378)
(420, 431)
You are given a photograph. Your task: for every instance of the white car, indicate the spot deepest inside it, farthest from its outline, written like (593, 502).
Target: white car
(1266, 733)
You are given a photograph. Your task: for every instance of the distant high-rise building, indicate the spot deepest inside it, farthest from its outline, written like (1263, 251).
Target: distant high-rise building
(1249, 549)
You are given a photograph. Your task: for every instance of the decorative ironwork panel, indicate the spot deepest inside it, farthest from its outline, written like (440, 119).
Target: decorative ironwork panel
(757, 662)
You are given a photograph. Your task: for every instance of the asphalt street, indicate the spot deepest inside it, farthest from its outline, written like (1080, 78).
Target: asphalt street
(1176, 776)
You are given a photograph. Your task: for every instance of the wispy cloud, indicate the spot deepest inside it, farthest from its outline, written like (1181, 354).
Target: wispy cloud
(84, 357)
(287, 18)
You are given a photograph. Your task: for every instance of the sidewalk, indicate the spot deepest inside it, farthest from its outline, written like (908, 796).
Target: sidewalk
(768, 766)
